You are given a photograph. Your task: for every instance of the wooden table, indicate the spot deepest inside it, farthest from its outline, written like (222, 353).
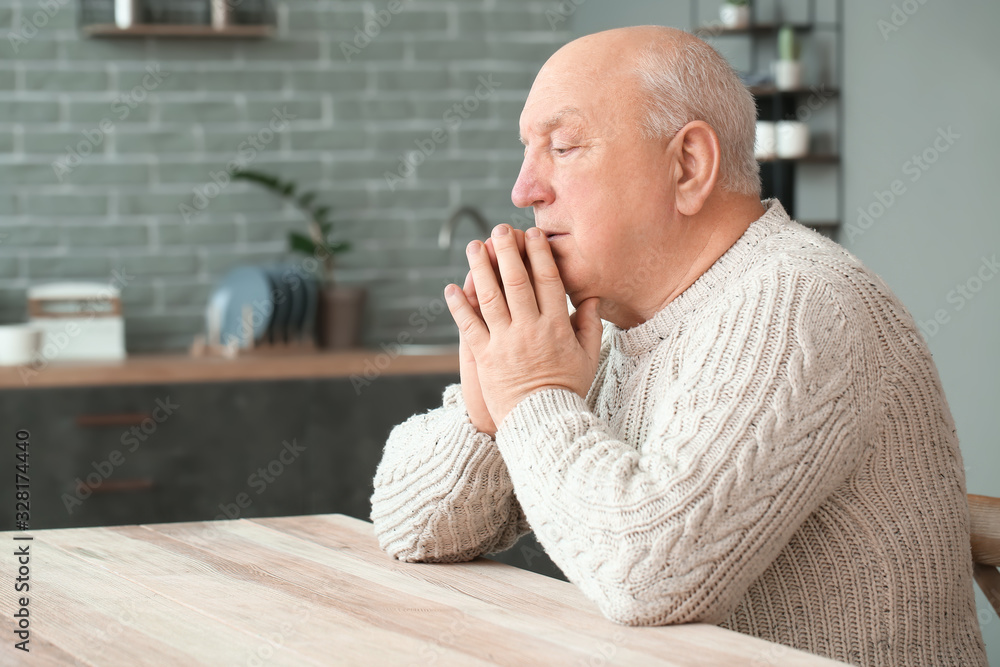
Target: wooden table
(316, 590)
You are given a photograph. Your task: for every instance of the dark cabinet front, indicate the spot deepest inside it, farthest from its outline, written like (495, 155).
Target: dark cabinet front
(192, 452)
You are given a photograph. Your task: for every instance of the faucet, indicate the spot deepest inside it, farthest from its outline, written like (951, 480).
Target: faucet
(448, 228)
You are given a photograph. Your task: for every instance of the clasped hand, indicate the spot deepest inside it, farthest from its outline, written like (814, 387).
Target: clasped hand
(515, 331)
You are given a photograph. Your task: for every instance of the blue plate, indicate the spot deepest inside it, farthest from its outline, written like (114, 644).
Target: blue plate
(312, 306)
(282, 304)
(298, 286)
(246, 287)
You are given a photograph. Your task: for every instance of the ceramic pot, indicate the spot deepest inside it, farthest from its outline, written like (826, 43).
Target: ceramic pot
(763, 148)
(127, 13)
(734, 16)
(791, 139)
(787, 74)
(222, 14)
(340, 316)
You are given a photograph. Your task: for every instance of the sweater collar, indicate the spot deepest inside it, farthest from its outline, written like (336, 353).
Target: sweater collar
(643, 337)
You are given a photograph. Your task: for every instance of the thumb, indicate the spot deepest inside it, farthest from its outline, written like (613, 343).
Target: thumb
(588, 327)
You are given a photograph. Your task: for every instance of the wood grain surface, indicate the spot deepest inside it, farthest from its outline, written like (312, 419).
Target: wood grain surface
(316, 590)
(158, 369)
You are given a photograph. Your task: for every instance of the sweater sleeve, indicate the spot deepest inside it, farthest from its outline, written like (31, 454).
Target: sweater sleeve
(746, 428)
(442, 491)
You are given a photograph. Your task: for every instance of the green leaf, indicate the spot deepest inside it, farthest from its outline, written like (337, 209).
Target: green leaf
(266, 180)
(299, 242)
(305, 199)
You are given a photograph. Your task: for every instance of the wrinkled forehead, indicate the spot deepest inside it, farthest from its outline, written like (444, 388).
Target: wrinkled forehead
(576, 96)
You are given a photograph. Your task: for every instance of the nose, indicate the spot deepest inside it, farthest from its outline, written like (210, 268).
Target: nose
(532, 187)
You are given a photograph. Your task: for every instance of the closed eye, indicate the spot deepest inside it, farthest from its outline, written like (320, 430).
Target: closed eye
(562, 151)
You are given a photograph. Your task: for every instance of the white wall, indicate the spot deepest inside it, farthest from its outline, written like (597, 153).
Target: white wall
(939, 70)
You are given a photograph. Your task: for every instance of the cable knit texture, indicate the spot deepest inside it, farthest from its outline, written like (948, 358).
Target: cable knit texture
(772, 452)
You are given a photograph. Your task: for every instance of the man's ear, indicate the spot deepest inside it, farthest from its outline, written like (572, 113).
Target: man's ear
(698, 159)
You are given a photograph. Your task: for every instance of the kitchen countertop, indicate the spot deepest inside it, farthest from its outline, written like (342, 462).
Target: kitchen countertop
(316, 590)
(164, 368)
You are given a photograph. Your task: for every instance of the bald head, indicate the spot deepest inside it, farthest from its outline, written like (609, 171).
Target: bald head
(654, 80)
(618, 50)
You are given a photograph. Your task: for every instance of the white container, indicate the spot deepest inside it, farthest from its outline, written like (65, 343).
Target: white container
(19, 344)
(791, 139)
(763, 147)
(787, 74)
(79, 321)
(222, 14)
(734, 17)
(127, 13)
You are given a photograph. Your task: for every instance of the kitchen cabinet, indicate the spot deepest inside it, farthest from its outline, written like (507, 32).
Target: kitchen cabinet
(184, 452)
(156, 453)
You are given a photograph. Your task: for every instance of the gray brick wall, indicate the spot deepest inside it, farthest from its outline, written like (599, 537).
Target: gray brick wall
(151, 119)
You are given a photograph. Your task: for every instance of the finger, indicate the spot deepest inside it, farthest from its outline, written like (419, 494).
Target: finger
(471, 327)
(465, 355)
(516, 279)
(588, 327)
(519, 237)
(492, 304)
(470, 292)
(550, 292)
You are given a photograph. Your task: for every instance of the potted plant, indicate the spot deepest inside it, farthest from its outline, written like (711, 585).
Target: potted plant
(787, 69)
(340, 308)
(735, 14)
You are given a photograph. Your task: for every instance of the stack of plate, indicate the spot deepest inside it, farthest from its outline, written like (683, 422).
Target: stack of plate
(254, 305)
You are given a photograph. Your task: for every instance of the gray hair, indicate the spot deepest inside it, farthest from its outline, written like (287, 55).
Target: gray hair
(696, 83)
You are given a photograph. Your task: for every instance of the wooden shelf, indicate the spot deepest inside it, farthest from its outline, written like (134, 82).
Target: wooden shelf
(768, 91)
(808, 159)
(752, 28)
(177, 30)
(181, 369)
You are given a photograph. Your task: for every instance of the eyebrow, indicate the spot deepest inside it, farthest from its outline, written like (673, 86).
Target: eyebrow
(554, 120)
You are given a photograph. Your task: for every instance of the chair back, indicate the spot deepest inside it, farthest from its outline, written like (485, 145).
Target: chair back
(985, 537)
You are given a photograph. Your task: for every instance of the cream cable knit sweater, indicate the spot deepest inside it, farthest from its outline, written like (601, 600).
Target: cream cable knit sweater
(772, 452)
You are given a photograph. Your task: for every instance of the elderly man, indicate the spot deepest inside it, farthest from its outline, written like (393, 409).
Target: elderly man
(739, 424)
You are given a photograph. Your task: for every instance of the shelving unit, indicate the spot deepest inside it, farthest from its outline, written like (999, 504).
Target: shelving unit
(176, 30)
(252, 19)
(778, 175)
